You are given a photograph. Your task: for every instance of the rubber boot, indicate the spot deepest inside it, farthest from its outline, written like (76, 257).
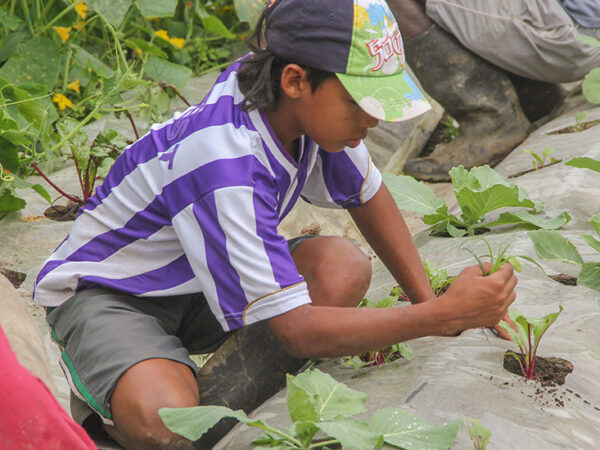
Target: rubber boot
(475, 93)
(537, 98)
(248, 369)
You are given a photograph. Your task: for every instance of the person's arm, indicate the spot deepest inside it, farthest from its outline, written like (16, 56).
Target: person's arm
(472, 301)
(383, 226)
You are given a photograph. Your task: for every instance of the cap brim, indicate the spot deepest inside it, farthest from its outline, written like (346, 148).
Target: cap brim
(392, 98)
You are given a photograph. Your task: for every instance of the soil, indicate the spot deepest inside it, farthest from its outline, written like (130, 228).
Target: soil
(552, 371)
(437, 137)
(565, 279)
(62, 213)
(533, 169)
(577, 128)
(15, 278)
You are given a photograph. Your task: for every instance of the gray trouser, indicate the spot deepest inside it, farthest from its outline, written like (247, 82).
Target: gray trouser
(533, 38)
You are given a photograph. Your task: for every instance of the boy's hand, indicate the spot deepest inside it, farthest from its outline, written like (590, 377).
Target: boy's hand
(474, 300)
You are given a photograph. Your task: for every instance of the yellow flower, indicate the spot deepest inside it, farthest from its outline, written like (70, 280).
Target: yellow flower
(79, 24)
(81, 9)
(62, 101)
(163, 34)
(74, 86)
(138, 52)
(63, 32)
(177, 42)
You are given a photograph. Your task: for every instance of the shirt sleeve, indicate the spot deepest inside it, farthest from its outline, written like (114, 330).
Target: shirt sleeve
(344, 179)
(244, 266)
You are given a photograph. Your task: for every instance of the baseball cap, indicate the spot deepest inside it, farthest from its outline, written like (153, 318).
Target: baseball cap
(359, 41)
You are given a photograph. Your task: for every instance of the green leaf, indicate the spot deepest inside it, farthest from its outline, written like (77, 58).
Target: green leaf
(113, 11)
(594, 243)
(551, 245)
(22, 184)
(248, 10)
(541, 325)
(161, 70)
(9, 155)
(145, 46)
(86, 60)
(39, 60)
(515, 336)
(590, 276)
(405, 430)
(351, 433)
(527, 218)
(482, 190)
(595, 221)
(300, 405)
(590, 40)
(591, 86)
(9, 21)
(584, 163)
(156, 8)
(412, 195)
(480, 435)
(9, 202)
(330, 398)
(212, 24)
(10, 44)
(192, 423)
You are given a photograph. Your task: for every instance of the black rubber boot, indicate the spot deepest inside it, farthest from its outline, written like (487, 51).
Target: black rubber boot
(249, 368)
(475, 93)
(537, 98)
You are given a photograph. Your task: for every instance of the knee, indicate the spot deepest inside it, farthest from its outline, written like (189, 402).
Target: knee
(337, 272)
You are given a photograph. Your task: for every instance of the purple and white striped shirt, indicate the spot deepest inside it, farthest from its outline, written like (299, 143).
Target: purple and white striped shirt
(194, 206)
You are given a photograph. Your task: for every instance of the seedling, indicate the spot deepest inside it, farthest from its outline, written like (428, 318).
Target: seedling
(539, 161)
(527, 336)
(579, 118)
(451, 129)
(478, 192)
(317, 402)
(439, 279)
(384, 355)
(480, 435)
(500, 257)
(591, 83)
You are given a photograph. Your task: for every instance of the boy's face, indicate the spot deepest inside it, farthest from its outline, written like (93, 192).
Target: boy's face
(332, 118)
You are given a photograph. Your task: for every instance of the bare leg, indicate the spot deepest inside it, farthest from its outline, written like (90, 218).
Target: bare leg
(140, 392)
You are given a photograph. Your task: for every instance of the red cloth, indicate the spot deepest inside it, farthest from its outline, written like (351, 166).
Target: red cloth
(30, 416)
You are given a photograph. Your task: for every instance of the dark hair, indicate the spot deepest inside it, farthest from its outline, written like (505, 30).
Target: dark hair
(259, 77)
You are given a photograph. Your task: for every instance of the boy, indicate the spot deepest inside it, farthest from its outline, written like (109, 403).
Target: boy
(179, 246)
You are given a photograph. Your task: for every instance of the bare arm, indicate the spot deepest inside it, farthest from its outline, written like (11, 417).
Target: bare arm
(384, 228)
(472, 301)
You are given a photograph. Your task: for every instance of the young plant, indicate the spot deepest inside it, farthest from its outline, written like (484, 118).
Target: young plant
(498, 258)
(553, 246)
(384, 355)
(478, 192)
(316, 402)
(451, 129)
(539, 161)
(591, 82)
(579, 118)
(527, 337)
(439, 279)
(480, 435)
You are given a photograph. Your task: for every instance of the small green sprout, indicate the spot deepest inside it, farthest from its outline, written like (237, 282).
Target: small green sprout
(451, 129)
(527, 336)
(579, 118)
(496, 260)
(539, 161)
(480, 435)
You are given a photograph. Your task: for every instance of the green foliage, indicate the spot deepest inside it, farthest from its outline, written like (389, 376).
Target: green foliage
(496, 259)
(439, 279)
(579, 118)
(539, 161)
(480, 435)
(591, 82)
(527, 336)
(584, 163)
(451, 129)
(553, 246)
(316, 402)
(478, 192)
(384, 355)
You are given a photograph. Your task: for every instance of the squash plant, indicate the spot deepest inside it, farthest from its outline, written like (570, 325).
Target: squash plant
(591, 82)
(316, 402)
(478, 192)
(527, 336)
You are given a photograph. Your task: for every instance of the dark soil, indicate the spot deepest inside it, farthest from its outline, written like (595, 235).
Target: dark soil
(565, 279)
(577, 128)
(15, 278)
(63, 213)
(552, 371)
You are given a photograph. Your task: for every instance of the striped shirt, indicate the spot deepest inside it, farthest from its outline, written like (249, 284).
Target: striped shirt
(194, 206)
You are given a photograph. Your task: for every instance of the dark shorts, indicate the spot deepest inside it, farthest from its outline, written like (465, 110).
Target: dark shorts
(102, 333)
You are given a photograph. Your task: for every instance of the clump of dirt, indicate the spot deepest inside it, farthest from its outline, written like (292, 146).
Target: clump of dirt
(15, 278)
(565, 279)
(552, 371)
(62, 213)
(314, 229)
(576, 128)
